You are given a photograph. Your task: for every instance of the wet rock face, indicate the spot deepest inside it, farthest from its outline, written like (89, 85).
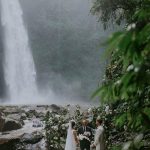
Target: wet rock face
(2, 121)
(26, 138)
(10, 145)
(12, 110)
(21, 127)
(1, 124)
(16, 117)
(38, 146)
(32, 138)
(55, 108)
(10, 124)
(31, 113)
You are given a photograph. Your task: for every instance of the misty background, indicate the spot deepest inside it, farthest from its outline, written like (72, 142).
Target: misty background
(66, 45)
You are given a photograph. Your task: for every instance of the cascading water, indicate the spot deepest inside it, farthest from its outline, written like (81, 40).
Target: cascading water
(19, 69)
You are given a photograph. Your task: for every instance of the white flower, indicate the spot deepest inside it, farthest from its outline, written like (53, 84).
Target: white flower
(118, 82)
(126, 145)
(56, 138)
(57, 116)
(63, 125)
(98, 117)
(67, 125)
(89, 110)
(136, 69)
(81, 137)
(107, 109)
(63, 128)
(87, 133)
(131, 67)
(138, 138)
(131, 26)
(117, 49)
(110, 112)
(125, 127)
(50, 121)
(55, 128)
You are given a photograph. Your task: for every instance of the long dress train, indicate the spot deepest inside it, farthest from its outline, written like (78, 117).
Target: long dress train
(70, 141)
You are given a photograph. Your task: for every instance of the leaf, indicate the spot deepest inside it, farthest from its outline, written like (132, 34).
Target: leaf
(144, 34)
(125, 41)
(113, 42)
(121, 120)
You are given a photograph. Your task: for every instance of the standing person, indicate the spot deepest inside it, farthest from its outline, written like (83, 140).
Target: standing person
(99, 140)
(72, 139)
(85, 135)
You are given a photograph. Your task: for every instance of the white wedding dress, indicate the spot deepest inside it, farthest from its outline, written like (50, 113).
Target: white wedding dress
(70, 141)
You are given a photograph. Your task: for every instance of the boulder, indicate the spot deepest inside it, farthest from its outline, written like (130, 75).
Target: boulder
(14, 136)
(40, 115)
(11, 124)
(23, 116)
(23, 138)
(55, 107)
(32, 138)
(38, 146)
(16, 117)
(12, 110)
(9, 144)
(31, 113)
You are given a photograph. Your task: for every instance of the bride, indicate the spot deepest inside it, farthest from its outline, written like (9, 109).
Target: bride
(72, 139)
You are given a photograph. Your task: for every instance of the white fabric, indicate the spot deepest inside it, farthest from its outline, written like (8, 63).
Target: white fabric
(70, 142)
(99, 141)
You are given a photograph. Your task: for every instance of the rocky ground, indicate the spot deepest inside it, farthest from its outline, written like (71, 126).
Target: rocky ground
(22, 127)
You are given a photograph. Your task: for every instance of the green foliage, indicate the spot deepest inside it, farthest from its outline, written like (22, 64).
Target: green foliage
(116, 148)
(128, 74)
(115, 11)
(55, 127)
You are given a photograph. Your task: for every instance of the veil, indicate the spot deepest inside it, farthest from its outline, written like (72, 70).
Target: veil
(70, 144)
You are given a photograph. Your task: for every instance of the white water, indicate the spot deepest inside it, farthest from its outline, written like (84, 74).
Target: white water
(19, 69)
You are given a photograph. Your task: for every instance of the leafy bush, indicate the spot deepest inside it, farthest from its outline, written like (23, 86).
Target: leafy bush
(56, 126)
(127, 82)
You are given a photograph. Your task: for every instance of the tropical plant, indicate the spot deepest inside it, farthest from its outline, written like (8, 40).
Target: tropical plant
(115, 11)
(127, 79)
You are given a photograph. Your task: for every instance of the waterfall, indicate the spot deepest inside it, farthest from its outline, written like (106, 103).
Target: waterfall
(19, 68)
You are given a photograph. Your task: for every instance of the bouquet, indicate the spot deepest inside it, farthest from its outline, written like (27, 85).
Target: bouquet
(84, 136)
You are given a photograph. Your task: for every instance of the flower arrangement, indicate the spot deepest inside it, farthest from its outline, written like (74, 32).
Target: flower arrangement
(83, 136)
(56, 126)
